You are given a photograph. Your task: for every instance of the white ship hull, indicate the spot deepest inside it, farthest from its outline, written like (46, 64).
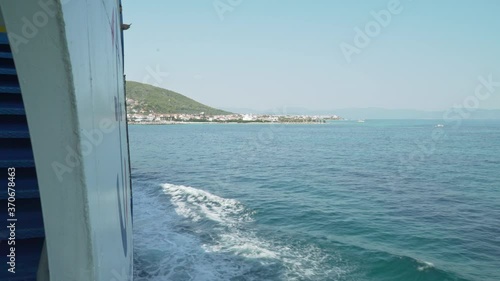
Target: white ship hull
(69, 61)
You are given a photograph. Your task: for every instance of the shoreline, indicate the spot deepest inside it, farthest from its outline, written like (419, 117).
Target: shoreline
(191, 123)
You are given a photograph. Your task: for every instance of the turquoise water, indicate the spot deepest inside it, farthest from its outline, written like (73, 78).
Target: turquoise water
(381, 200)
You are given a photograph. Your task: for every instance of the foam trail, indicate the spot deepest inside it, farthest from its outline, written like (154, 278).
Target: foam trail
(165, 248)
(232, 234)
(424, 265)
(196, 204)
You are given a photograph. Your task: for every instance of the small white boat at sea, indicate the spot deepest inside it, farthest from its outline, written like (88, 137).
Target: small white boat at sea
(361, 121)
(439, 126)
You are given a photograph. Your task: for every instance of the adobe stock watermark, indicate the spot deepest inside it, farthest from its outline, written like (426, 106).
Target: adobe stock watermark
(363, 37)
(156, 74)
(222, 7)
(249, 148)
(89, 141)
(31, 26)
(453, 116)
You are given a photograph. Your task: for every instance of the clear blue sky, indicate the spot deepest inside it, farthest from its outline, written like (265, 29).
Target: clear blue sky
(265, 54)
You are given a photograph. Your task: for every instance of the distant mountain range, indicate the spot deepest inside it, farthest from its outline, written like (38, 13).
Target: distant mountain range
(371, 113)
(145, 99)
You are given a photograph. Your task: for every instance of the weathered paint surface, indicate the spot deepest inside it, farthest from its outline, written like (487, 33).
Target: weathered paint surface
(71, 74)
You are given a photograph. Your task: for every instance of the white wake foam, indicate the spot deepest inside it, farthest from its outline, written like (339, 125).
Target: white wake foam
(186, 234)
(234, 236)
(165, 248)
(197, 204)
(424, 265)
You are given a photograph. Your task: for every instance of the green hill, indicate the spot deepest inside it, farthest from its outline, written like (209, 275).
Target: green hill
(148, 99)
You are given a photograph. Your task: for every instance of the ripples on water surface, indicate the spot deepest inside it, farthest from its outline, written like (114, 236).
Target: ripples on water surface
(317, 202)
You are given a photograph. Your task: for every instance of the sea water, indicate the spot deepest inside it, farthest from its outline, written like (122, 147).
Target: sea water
(381, 200)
